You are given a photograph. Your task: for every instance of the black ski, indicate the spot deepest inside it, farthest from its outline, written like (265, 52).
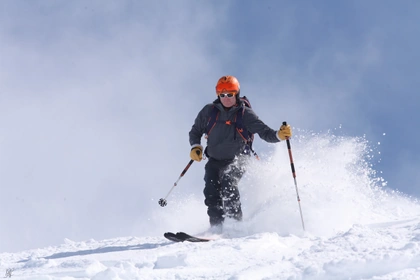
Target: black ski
(182, 236)
(172, 236)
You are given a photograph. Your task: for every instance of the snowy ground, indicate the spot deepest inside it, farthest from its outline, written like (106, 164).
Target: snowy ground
(355, 229)
(376, 251)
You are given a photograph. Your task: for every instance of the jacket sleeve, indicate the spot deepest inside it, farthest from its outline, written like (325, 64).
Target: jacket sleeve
(254, 125)
(199, 126)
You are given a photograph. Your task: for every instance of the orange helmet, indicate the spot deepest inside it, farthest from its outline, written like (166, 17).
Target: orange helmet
(227, 83)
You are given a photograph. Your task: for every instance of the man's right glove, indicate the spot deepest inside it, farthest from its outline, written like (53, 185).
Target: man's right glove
(284, 132)
(197, 153)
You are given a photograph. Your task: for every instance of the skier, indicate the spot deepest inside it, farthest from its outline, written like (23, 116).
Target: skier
(227, 151)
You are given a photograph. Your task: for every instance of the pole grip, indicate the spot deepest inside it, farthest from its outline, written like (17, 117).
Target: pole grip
(289, 148)
(186, 168)
(287, 141)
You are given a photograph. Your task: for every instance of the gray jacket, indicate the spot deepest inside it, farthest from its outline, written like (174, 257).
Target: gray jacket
(222, 144)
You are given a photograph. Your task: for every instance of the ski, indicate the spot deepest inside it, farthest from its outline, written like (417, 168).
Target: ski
(182, 236)
(172, 236)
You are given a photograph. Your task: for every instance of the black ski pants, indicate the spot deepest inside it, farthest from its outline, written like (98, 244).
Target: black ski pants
(221, 192)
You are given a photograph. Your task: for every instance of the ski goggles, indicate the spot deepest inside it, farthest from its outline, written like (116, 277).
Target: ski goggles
(233, 89)
(228, 94)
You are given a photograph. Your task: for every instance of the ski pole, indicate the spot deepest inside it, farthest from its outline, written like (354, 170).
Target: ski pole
(292, 165)
(162, 202)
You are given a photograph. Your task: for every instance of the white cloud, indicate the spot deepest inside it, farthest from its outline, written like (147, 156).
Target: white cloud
(95, 103)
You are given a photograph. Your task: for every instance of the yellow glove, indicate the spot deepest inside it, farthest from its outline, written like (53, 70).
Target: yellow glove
(284, 132)
(197, 153)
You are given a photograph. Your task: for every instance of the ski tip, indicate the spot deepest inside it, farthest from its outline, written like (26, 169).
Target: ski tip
(182, 236)
(172, 237)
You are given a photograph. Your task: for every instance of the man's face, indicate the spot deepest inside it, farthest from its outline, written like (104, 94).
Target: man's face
(227, 99)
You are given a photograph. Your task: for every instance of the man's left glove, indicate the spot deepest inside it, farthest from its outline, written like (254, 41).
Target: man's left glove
(197, 153)
(284, 132)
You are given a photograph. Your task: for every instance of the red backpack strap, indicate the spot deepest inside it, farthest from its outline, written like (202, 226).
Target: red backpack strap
(243, 132)
(240, 128)
(214, 115)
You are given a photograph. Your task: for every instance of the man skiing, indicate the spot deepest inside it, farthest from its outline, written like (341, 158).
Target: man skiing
(227, 148)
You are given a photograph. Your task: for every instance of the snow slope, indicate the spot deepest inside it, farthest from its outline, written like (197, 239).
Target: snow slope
(376, 251)
(355, 228)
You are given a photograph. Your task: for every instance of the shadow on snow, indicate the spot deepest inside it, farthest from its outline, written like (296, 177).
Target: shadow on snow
(103, 250)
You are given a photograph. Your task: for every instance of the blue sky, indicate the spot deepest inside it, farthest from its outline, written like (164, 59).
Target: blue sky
(97, 97)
